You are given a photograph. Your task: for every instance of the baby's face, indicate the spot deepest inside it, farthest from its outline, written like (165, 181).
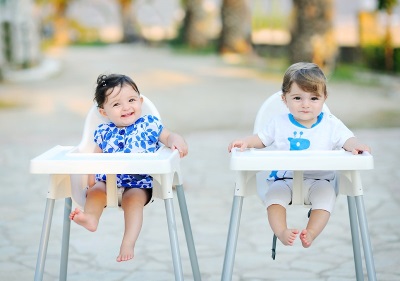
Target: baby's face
(123, 106)
(304, 106)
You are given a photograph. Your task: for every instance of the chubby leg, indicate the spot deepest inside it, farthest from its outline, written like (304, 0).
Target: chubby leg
(277, 221)
(322, 196)
(133, 202)
(278, 195)
(95, 201)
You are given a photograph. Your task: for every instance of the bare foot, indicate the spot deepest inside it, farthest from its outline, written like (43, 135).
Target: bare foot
(288, 236)
(125, 252)
(83, 219)
(306, 238)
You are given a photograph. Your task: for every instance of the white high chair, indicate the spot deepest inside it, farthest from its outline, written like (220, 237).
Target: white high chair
(250, 167)
(68, 167)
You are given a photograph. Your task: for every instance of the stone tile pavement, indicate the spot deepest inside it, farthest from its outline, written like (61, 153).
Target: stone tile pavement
(210, 102)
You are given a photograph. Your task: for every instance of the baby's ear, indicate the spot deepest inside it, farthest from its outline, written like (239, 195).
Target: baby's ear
(102, 112)
(284, 98)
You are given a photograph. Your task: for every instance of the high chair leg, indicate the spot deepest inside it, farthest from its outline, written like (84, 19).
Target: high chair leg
(188, 232)
(173, 237)
(273, 255)
(362, 220)
(231, 242)
(355, 237)
(44, 239)
(65, 239)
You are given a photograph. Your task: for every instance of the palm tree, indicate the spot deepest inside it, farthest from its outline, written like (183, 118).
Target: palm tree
(236, 27)
(312, 34)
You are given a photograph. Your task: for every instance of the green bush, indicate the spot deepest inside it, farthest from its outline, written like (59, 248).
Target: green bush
(396, 57)
(374, 58)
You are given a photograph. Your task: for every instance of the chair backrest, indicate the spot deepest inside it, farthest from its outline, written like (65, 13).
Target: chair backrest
(93, 119)
(272, 106)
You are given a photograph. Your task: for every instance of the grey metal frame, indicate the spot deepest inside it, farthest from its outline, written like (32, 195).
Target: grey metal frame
(358, 223)
(172, 229)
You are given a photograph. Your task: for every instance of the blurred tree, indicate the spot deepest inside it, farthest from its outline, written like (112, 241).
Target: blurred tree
(388, 6)
(312, 34)
(128, 21)
(59, 20)
(236, 27)
(192, 32)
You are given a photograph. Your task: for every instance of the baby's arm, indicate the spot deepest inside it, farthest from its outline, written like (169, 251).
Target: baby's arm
(91, 178)
(252, 141)
(174, 141)
(354, 146)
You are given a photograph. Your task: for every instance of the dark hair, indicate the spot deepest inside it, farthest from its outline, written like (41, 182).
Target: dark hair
(308, 76)
(107, 82)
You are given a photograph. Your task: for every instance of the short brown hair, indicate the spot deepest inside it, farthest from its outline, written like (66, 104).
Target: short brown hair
(308, 76)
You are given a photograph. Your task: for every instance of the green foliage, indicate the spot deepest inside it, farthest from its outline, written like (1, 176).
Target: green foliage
(386, 5)
(396, 57)
(374, 58)
(180, 46)
(89, 44)
(353, 73)
(344, 72)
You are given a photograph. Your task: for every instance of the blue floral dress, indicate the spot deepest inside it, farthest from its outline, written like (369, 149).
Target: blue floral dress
(140, 137)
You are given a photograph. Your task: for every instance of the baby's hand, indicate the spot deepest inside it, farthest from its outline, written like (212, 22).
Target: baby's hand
(238, 143)
(177, 142)
(359, 149)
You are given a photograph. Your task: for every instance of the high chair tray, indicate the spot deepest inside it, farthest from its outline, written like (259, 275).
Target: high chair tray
(66, 160)
(258, 159)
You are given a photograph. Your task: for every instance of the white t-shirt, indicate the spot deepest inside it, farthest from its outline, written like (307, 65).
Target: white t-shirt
(283, 132)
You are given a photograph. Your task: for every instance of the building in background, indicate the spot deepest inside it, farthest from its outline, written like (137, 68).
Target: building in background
(19, 36)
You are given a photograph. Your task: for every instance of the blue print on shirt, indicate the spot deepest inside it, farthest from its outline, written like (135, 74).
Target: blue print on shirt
(298, 143)
(295, 144)
(140, 137)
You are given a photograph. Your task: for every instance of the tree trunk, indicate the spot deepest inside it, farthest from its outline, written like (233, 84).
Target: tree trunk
(313, 37)
(193, 29)
(236, 27)
(128, 21)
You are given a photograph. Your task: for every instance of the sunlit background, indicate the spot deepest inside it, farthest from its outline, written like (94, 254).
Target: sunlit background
(207, 65)
(363, 32)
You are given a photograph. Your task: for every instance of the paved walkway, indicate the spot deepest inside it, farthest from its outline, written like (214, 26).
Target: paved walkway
(210, 102)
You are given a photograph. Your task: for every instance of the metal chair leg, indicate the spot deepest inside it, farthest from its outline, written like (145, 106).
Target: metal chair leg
(355, 237)
(362, 219)
(65, 240)
(231, 242)
(173, 237)
(273, 255)
(44, 239)
(188, 232)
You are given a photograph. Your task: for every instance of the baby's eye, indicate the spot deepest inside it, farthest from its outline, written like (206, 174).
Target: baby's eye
(314, 98)
(115, 104)
(131, 100)
(296, 98)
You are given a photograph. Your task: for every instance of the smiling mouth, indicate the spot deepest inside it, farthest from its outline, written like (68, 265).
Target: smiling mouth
(127, 115)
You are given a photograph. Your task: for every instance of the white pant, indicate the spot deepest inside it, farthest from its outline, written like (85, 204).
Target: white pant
(320, 194)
